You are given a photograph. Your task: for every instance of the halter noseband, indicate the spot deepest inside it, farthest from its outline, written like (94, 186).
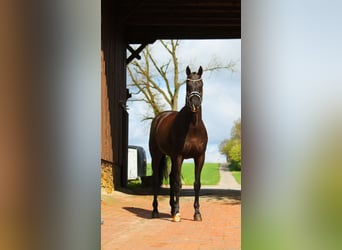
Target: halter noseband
(194, 93)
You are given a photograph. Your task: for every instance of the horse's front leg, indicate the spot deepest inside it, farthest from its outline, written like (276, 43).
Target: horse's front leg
(199, 161)
(172, 195)
(176, 186)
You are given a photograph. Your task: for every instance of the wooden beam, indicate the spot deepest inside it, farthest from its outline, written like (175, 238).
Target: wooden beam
(135, 53)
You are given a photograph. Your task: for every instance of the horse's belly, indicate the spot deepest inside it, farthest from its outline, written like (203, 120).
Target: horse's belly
(186, 149)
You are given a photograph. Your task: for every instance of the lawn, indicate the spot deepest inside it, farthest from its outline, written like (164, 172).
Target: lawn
(237, 176)
(210, 173)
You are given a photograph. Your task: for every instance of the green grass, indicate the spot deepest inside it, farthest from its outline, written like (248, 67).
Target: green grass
(210, 173)
(148, 169)
(134, 183)
(237, 176)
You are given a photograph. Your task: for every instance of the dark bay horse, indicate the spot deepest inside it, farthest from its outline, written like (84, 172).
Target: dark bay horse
(180, 135)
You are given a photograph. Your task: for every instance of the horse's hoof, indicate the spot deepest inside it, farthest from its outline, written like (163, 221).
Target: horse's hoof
(177, 217)
(155, 214)
(197, 217)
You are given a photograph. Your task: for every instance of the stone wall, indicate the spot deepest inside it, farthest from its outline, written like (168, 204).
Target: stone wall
(107, 184)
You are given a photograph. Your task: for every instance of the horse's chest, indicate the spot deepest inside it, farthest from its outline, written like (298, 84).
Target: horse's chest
(175, 137)
(194, 143)
(193, 146)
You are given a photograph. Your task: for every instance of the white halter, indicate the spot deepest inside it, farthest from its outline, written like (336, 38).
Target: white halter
(192, 94)
(196, 80)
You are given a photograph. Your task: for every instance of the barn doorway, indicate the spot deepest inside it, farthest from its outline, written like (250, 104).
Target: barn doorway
(221, 59)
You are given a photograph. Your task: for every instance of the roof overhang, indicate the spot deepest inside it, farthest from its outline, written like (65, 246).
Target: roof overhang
(144, 21)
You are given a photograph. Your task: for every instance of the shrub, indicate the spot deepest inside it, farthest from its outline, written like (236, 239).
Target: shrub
(231, 147)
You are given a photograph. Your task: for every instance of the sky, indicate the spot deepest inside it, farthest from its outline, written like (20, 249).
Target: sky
(221, 93)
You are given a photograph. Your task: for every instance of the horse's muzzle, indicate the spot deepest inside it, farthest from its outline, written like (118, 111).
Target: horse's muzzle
(194, 109)
(194, 101)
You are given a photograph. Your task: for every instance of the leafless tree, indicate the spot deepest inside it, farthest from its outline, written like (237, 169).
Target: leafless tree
(158, 84)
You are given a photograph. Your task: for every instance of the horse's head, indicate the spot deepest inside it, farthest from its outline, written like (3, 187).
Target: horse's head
(194, 88)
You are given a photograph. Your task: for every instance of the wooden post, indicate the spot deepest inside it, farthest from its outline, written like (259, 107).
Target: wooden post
(114, 51)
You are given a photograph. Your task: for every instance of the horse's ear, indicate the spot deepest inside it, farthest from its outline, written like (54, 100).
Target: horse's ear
(188, 71)
(200, 71)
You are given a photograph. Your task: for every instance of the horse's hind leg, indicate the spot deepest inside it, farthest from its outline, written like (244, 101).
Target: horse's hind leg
(197, 186)
(156, 175)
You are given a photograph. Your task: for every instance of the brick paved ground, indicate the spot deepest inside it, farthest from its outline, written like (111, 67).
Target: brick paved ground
(127, 222)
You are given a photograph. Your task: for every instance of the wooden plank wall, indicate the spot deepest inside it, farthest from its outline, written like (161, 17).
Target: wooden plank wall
(114, 53)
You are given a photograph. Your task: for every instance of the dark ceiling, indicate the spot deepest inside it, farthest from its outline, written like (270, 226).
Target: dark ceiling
(144, 21)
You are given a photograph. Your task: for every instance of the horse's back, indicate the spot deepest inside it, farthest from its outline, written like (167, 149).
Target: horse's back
(162, 121)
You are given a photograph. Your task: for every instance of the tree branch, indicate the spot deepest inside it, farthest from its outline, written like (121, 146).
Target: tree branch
(162, 72)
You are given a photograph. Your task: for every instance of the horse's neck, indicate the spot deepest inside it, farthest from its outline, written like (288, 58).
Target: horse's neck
(193, 118)
(197, 117)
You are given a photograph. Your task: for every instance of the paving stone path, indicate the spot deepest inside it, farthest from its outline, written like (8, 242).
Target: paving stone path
(127, 222)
